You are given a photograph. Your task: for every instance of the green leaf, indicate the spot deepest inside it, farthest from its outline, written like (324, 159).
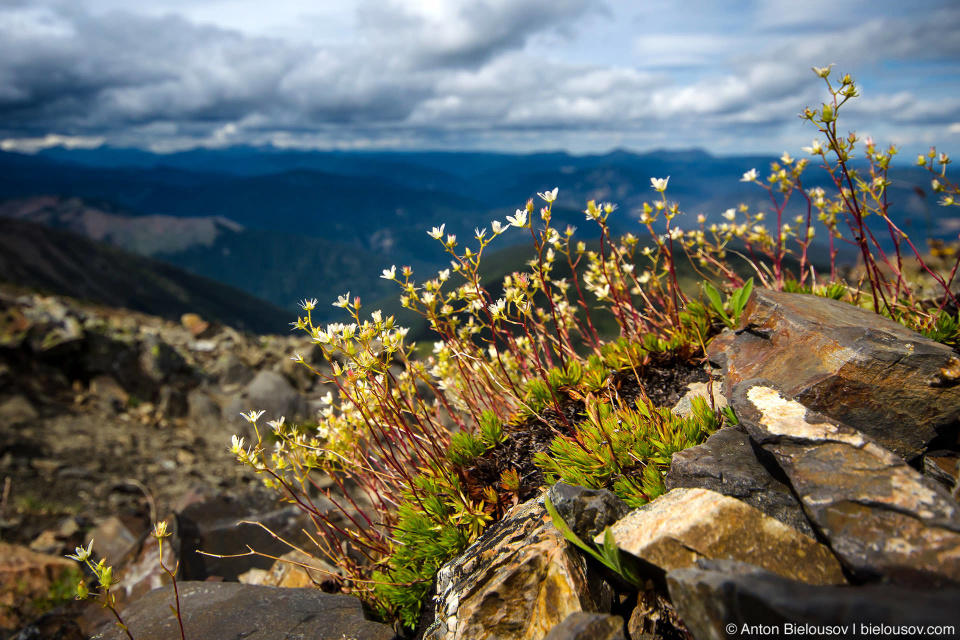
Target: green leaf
(715, 302)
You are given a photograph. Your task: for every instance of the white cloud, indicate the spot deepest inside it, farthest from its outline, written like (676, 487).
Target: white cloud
(33, 145)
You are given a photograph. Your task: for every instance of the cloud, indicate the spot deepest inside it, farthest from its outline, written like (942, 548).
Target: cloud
(466, 33)
(33, 145)
(519, 74)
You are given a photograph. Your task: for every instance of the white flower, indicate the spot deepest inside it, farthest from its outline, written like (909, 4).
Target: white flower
(823, 72)
(342, 301)
(676, 233)
(83, 553)
(749, 176)
(660, 184)
(814, 149)
(444, 275)
(497, 227)
(308, 305)
(277, 424)
(236, 445)
(497, 307)
(253, 416)
(479, 233)
(549, 196)
(602, 292)
(451, 239)
(730, 214)
(436, 232)
(390, 274)
(786, 159)
(327, 399)
(297, 357)
(520, 220)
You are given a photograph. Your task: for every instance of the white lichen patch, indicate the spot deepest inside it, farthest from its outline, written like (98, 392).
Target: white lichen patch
(909, 492)
(786, 417)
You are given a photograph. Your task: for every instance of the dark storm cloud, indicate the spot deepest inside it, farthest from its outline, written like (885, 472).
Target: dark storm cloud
(489, 72)
(468, 33)
(64, 68)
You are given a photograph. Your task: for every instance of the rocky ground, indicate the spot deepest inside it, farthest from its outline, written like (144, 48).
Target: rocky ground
(106, 412)
(831, 506)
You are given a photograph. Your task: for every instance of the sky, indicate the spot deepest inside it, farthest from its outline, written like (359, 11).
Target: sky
(583, 76)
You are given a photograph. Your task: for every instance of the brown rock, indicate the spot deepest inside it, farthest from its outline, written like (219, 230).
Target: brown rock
(727, 463)
(293, 570)
(852, 365)
(116, 540)
(144, 572)
(26, 575)
(16, 410)
(684, 525)
(517, 582)
(880, 516)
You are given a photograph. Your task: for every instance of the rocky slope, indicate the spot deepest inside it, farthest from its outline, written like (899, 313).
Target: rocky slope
(106, 413)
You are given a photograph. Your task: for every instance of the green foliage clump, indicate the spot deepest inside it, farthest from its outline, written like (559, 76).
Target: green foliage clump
(626, 449)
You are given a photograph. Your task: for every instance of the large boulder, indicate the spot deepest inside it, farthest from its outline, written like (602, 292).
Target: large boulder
(226, 610)
(684, 525)
(521, 579)
(880, 516)
(852, 365)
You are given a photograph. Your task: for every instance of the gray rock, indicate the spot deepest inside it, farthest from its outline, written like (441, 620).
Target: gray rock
(587, 511)
(705, 390)
(726, 463)
(232, 373)
(724, 599)
(172, 402)
(225, 525)
(201, 408)
(880, 516)
(588, 626)
(159, 361)
(271, 393)
(225, 611)
(852, 365)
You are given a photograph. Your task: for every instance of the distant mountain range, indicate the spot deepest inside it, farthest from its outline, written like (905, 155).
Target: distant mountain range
(64, 263)
(287, 225)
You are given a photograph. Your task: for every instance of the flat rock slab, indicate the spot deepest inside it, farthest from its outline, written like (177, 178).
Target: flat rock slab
(852, 365)
(727, 463)
(880, 516)
(519, 581)
(228, 610)
(725, 599)
(685, 525)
